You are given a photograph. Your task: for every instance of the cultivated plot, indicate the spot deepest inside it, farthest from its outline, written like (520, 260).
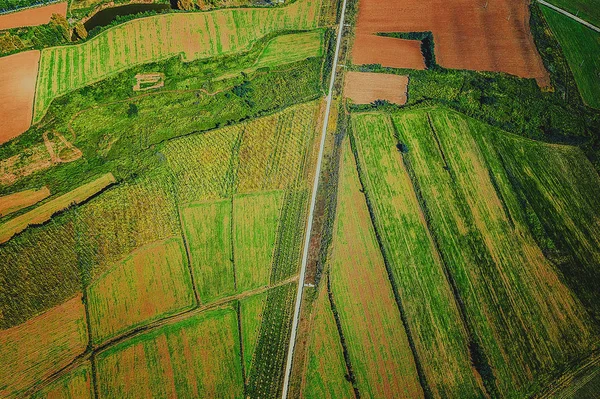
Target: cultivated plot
(22, 199)
(368, 87)
(32, 16)
(76, 384)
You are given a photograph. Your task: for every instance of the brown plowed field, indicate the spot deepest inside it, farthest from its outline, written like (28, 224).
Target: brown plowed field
(18, 74)
(366, 87)
(387, 51)
(489, 35)
(32, 16)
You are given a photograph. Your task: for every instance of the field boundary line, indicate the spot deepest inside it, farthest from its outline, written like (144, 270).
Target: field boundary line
(568, 14)
(313, 201)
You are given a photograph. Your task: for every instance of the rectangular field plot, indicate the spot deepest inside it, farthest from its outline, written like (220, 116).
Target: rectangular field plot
(325, 376)
(151, 283)
(432, 315)
(251, 314)
(523, 317)
(207, 228)
(380, 355)
(255, 223)
(196, 357)
(32, 351)
(291, 48)
(581, 46)
(76, 384)
(144, 40)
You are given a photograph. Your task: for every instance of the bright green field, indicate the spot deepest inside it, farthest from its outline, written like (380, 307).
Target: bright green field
(588, 10)
(581, 47)
(475, 187)
(207, 228)
(291, 48)
(194, 35)
(196, 357)
(252, 310)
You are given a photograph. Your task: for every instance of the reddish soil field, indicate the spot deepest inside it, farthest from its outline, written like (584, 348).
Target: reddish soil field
(32, 16)
(387, 51)
(366, 87)
(489, 35)
(18, 74)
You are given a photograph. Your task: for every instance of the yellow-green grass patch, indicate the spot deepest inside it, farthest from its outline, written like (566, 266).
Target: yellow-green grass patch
(291, 48)
(255, 224)
(34, 350)
(251, 309)
(76, 384)
(44, 212)
(377, 344)
(325, 374)
(13, 202)
(207, 228)
(433, 318)
(149, 284)
(144, 40)
(196, 357)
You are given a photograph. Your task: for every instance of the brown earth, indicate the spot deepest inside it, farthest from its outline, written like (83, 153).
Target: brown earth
(22, 199)
(32, 16)
(366, 87)
(387, 51)
(489, 35)
(18, 74)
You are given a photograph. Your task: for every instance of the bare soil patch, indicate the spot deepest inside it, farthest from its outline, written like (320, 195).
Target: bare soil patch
(366, 87)
(149, 81)
(489, 35)
(387, 51)
(18, 74)
(32, 16)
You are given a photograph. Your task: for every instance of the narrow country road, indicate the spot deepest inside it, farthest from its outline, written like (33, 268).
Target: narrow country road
(313, 200)
(568, 14)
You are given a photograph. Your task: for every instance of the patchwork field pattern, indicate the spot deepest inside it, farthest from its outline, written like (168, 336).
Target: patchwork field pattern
(196, 357)
(22, 199)
(581, 47)
(41, 346)
(151, 283)
(377, 344)
(194, 35)
(467, 189)
(45, 211)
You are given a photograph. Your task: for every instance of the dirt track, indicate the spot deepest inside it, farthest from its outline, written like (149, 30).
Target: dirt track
(32, 16)
(489, 35)
(18, 74)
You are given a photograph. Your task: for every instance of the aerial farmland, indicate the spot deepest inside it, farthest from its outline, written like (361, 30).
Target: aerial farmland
(299, 199)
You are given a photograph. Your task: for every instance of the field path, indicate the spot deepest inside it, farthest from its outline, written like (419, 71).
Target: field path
(313, 201)
(568, 14)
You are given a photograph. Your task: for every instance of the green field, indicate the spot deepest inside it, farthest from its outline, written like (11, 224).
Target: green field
(194, 35)
(380, 356)
(432, 314)
(195, 357)
(151, 283)
(207, 228)
(255, 221)
(471, 185)
(587, 10)
(581, 46)
(291, 48)
(326, 370)
(251, 313)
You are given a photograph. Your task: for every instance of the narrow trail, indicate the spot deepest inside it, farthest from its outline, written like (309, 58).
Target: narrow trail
(568, 14)
(94, 350)
(313, 201)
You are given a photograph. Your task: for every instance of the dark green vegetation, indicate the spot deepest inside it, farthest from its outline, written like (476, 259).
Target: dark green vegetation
(54, 33)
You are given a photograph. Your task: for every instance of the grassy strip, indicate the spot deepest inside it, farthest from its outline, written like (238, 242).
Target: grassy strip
(44, 212)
